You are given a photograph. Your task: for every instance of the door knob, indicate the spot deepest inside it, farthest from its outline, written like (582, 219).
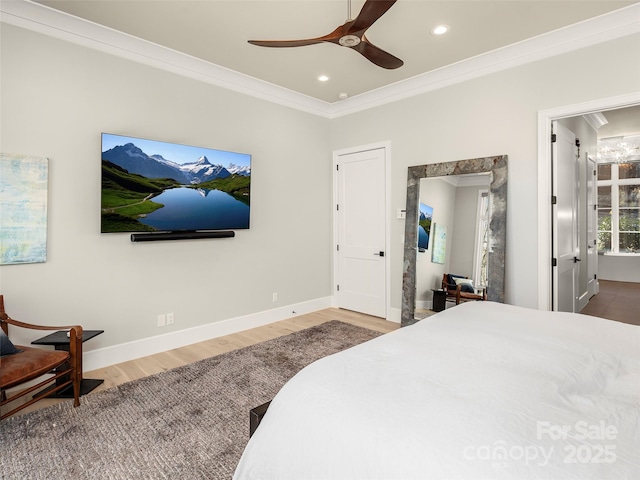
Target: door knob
(576, 260)
(380, 253)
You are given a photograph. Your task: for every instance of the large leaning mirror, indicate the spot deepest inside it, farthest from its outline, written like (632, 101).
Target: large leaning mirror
(417, 188)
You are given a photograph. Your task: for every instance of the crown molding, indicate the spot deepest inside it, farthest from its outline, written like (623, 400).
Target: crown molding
(467, 180)
(610, 26)
(61, 25)
(596, 120)
(45, 20)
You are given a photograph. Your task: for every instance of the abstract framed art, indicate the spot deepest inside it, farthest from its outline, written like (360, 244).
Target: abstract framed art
(439, 243)
(23, 207)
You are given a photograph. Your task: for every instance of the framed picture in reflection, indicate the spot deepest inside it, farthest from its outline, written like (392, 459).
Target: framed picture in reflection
(439, 243)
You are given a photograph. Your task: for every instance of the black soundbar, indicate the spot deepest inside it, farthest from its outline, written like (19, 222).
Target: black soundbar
(191, 235)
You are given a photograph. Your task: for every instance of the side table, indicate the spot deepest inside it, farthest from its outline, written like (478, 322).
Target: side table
(60, 341)
(439, 300)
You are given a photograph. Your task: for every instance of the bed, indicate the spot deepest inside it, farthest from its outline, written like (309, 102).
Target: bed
(480, 390)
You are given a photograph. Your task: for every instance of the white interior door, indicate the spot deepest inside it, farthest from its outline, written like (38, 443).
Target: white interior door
(566, 248)
(361, 223)
(592, 227)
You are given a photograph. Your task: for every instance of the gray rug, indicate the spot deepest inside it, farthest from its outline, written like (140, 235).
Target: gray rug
(191, 422)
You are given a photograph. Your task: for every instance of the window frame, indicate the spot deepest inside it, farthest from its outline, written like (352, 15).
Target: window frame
(615, 182)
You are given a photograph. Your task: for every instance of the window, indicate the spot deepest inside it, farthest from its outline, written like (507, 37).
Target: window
(619, 208)
(482, 240)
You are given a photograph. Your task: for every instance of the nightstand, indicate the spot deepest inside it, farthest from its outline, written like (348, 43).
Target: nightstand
(439, 300)
(60, 341)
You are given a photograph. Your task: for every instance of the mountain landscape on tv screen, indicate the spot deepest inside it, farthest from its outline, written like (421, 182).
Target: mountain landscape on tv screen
(134, 160)
(142, 192)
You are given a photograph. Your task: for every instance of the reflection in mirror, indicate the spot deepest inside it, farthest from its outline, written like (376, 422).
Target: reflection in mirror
(461, 203)
(446, 188)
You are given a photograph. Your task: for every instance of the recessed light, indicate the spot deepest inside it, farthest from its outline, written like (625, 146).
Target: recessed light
(323, 78)
(343, 96)
(440, 29)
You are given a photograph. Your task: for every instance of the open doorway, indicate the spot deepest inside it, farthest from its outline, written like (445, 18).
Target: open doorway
(616, 108)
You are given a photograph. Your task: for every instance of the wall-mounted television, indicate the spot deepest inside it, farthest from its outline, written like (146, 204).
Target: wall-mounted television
(425, 216)
(154, 186)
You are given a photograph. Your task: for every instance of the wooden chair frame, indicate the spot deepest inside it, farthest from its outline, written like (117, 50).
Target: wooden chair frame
(65, 369)
(455, 292)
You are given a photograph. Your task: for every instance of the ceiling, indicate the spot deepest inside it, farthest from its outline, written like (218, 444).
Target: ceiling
(621, 122)
(217, 32)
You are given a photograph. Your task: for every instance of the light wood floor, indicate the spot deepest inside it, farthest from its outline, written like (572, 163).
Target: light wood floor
(142, 367)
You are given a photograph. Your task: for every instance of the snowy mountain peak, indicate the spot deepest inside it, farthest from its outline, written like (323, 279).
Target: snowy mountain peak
(133, 159)
(239, 170)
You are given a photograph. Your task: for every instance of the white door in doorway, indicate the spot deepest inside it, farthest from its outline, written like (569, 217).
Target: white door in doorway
(592, 229)
(566, 249)
(361, 264)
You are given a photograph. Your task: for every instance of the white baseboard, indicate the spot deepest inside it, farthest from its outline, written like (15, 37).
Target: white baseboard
(104, 357)
(424, 304)
(583, 300)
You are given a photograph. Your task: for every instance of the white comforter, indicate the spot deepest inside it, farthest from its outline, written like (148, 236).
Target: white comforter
(481, 390)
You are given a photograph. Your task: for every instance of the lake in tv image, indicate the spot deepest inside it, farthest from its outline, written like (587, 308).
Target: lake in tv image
(425, 217)
(198, 209)
(149, 185)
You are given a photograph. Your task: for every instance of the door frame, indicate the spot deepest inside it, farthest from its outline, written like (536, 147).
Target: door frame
(545, 117)
(335, 274)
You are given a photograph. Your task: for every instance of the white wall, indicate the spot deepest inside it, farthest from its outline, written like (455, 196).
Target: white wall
(56, 100)
(463, 235)
(619, 268)
(492, 115)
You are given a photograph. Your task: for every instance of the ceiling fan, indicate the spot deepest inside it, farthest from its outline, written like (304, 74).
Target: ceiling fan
(350, 35)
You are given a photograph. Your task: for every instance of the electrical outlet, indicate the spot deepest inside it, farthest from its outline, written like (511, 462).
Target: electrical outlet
(275, 296)
(170, 318)
(162, 320)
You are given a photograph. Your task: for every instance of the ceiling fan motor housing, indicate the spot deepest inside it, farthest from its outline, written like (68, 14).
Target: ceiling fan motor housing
(349, 41)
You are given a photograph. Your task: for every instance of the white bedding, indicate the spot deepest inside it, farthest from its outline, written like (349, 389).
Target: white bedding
(481, 390)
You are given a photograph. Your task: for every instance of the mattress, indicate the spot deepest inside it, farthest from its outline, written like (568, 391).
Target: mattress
(480, 390)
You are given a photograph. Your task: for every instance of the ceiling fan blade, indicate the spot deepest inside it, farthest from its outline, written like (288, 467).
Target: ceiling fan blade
(377, 55)
(332, 37)
(350, 35)
(285, 43)
(371, 11)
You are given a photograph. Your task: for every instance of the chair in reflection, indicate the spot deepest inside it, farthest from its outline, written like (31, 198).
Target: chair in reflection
(460, 289)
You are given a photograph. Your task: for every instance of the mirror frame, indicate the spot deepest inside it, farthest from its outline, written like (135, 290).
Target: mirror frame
(498, 168)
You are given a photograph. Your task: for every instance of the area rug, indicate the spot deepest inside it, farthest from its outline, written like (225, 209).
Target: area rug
(191, 422)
